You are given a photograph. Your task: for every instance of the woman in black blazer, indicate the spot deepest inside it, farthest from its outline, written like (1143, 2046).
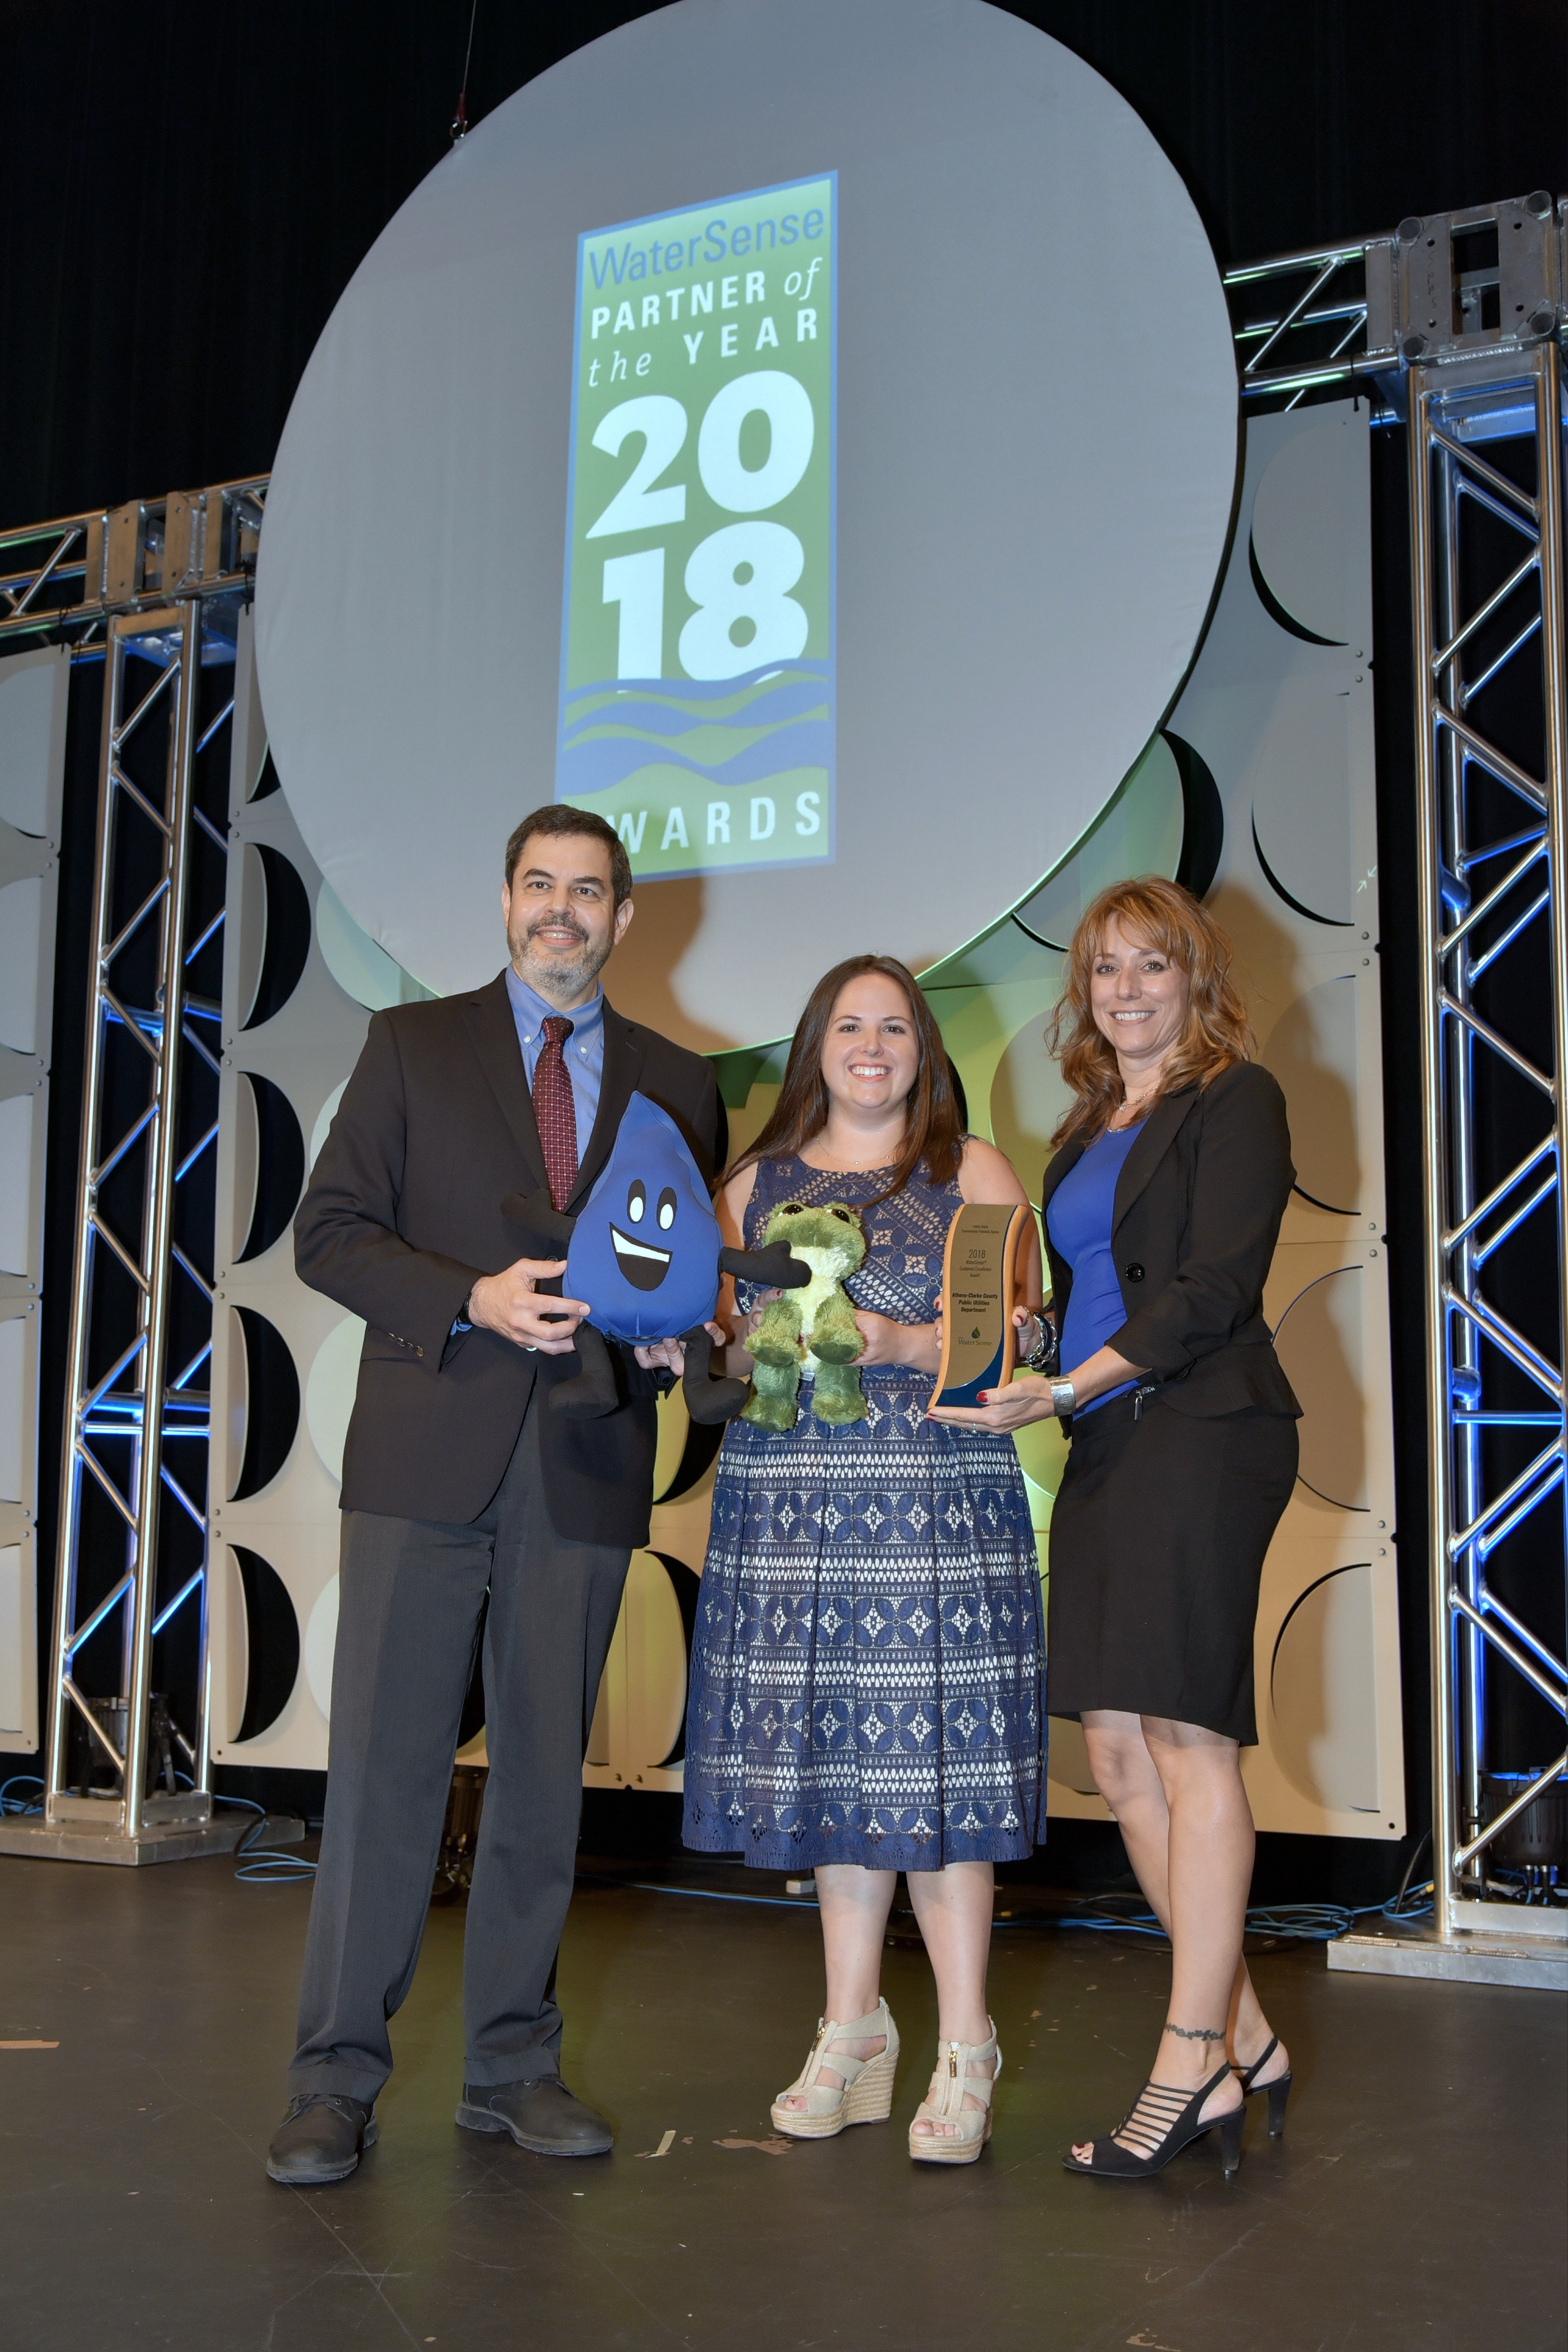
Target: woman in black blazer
(1161, 1208)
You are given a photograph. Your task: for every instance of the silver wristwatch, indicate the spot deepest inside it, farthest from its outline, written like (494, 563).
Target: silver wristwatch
(1062, 1399)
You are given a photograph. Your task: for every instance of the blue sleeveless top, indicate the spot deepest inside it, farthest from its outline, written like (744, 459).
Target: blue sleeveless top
(1079, 1219)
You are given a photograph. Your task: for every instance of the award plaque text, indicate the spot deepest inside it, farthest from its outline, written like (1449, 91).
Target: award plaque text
(981, 1276)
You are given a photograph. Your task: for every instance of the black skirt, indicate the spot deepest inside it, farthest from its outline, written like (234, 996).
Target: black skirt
(1156, 1549)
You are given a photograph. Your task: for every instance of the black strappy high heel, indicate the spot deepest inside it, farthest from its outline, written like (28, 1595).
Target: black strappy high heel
(1164, 2121)
(1278, 2090)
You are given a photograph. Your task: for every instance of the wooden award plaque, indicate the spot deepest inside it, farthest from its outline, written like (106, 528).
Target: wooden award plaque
(980, 1290)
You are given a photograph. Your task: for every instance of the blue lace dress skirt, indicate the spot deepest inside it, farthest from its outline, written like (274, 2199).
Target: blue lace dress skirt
(868, 1673)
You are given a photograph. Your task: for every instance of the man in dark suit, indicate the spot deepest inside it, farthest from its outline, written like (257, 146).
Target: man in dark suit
(458, 1478)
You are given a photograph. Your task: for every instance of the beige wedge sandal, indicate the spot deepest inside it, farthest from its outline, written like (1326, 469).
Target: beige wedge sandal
(943, 2103)
(866, 2094)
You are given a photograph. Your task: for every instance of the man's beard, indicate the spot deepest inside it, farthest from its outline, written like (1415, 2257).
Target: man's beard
(556, 979)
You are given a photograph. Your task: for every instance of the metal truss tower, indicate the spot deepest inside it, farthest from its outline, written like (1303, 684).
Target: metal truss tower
(153, 591)
(1458, 321)
(1486, 563)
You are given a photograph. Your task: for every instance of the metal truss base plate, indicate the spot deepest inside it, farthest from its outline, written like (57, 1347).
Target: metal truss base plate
(1539, 1962)
(160, 1841)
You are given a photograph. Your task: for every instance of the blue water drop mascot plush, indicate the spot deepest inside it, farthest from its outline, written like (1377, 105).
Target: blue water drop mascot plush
(646, 1252)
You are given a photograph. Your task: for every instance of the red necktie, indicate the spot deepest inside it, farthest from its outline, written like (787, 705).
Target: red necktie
(555, 1112)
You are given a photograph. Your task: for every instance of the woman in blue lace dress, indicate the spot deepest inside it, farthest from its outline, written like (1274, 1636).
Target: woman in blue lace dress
(867, 1681)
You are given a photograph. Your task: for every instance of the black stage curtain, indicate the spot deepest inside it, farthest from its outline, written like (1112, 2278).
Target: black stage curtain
(189, 188)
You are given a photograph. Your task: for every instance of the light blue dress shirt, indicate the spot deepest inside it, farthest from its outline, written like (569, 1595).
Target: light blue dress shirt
(585, 1049)
(585, 1055)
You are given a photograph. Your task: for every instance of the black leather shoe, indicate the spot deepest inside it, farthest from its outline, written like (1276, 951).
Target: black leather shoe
(541, 2115)
(321, 2139)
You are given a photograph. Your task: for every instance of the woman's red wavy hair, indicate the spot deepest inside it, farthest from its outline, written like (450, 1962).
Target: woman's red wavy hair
(1165, 916)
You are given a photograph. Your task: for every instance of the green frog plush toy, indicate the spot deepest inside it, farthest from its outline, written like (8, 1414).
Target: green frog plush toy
(811, 1330)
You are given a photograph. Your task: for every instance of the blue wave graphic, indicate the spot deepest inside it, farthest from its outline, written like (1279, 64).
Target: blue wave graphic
(690, 691)
(600, 766)
(610, 729)
(797, 697)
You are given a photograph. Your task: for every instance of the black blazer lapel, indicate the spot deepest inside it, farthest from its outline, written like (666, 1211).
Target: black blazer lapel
(1155, 1136)
(618, 1082)
(1058, 1273)
(493, 1033)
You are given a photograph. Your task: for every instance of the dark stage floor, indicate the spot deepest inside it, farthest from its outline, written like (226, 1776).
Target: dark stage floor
(1417, 2200)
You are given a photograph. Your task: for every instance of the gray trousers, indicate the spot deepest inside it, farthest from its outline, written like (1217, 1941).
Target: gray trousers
(410, 1599)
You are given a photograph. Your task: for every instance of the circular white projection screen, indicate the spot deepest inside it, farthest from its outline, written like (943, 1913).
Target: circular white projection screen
(804, 433)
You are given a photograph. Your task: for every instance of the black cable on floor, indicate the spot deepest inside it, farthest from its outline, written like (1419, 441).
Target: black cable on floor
(1299, 1923)
(262, 1865)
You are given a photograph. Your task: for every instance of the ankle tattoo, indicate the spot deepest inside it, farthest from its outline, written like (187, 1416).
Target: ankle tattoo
(1192, 2032)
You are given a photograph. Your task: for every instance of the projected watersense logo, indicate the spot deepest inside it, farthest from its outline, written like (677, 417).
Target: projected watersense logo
(697, 671)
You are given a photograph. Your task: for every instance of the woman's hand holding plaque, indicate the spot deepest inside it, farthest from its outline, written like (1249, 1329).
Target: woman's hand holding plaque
(982, 1293)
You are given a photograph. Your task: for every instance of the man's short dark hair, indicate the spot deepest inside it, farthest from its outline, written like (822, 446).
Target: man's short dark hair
(558, 818)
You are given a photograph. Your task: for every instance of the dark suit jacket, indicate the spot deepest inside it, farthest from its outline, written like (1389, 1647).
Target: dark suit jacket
(402, 1214)
(1197, 1212)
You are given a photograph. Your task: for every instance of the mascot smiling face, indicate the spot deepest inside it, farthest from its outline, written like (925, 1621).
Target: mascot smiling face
(645, 1249)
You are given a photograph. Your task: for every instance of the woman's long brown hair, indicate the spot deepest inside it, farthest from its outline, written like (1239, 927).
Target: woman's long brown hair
(1163, 916)
(933, 1129)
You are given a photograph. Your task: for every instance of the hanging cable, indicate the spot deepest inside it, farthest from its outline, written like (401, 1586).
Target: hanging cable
(1419, 1848)
(460, 127)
